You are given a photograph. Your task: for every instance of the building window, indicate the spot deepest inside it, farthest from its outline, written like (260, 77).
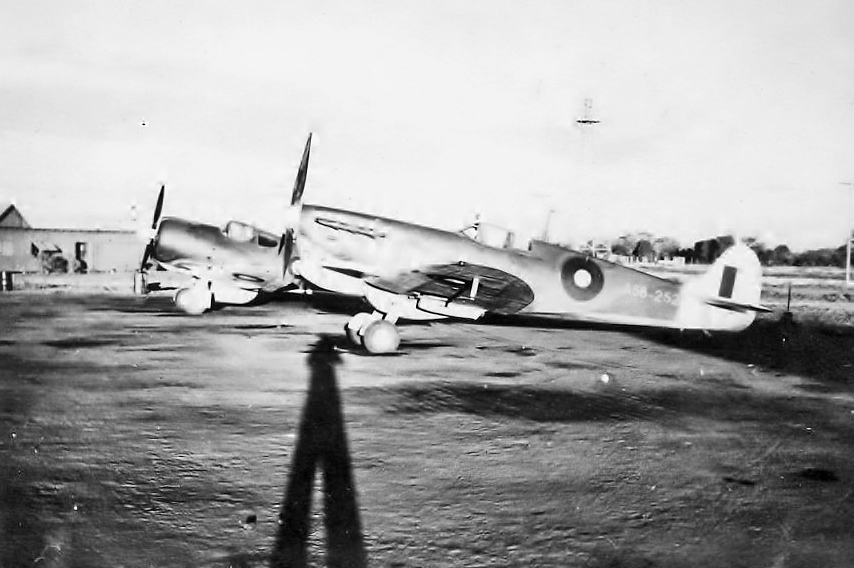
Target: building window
(6, 248)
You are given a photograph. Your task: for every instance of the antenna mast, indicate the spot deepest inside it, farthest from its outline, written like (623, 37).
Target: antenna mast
(848, 236)
(586, 121)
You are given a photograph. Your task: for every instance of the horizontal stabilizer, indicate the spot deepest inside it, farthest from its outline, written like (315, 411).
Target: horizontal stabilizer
(736, 306)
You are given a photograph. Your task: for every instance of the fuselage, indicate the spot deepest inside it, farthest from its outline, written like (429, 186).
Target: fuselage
(565, 284)
(343, 251)
(200, 248)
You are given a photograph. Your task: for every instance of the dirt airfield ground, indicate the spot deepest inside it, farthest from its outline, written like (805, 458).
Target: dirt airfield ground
(132, 435)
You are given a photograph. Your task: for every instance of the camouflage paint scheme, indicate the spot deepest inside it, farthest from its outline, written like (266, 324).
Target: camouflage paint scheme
(409, 271)
(345, 251)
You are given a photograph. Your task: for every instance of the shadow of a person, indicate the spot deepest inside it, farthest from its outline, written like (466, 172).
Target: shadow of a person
(322, 441)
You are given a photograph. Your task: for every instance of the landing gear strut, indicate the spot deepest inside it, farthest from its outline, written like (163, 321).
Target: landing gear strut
(375, 334)
(140, 282)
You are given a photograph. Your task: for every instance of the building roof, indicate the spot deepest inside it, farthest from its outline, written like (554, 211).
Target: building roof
(11, 217)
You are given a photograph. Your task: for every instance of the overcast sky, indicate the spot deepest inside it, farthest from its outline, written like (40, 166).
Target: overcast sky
(715, 116)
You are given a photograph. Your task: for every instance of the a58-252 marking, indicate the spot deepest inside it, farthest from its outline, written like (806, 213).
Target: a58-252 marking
(657, 295)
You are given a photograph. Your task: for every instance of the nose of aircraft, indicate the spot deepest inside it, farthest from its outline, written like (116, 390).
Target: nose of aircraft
(169, 239)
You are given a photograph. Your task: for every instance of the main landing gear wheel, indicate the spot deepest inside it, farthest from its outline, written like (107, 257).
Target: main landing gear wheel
(381, 337)
(356, 324)
(195, 300)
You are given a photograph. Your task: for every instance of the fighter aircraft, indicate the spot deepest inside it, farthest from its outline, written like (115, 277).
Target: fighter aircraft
(228, 266)
(407, 271)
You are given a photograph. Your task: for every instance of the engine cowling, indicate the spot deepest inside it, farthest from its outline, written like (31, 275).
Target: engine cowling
(193, 301)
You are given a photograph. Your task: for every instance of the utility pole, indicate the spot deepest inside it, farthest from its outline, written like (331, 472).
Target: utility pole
(586, 122)
(545, 235)
(849, 231)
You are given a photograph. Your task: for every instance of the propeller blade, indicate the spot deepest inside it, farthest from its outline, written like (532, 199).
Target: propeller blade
(159, 207)
(293, 214)
(149, 247)
(302, 174)
(286, 245)
(145, 256)
(289, 250)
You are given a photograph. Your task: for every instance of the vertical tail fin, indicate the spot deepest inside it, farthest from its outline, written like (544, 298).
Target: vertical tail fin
(734, 282)
(729, 290)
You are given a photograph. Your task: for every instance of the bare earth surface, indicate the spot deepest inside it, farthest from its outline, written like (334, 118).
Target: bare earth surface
(132, 435)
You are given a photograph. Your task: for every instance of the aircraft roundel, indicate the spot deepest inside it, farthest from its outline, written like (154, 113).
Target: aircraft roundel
(581, 278)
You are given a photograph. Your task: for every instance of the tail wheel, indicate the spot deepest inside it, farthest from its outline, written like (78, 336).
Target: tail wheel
(381, 337)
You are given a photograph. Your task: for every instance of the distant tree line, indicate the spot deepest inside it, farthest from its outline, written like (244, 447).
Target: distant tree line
(645, 246)
(782, 256)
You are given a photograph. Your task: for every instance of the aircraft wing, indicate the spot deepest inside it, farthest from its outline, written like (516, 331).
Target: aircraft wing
(462, 285)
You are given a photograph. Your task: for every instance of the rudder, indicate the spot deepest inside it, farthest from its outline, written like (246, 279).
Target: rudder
(730, 290)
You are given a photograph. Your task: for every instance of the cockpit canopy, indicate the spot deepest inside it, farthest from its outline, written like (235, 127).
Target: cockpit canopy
(245, 233)
(489, 235)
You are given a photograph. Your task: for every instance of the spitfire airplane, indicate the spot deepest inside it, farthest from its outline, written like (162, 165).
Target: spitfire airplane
(407, 271)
